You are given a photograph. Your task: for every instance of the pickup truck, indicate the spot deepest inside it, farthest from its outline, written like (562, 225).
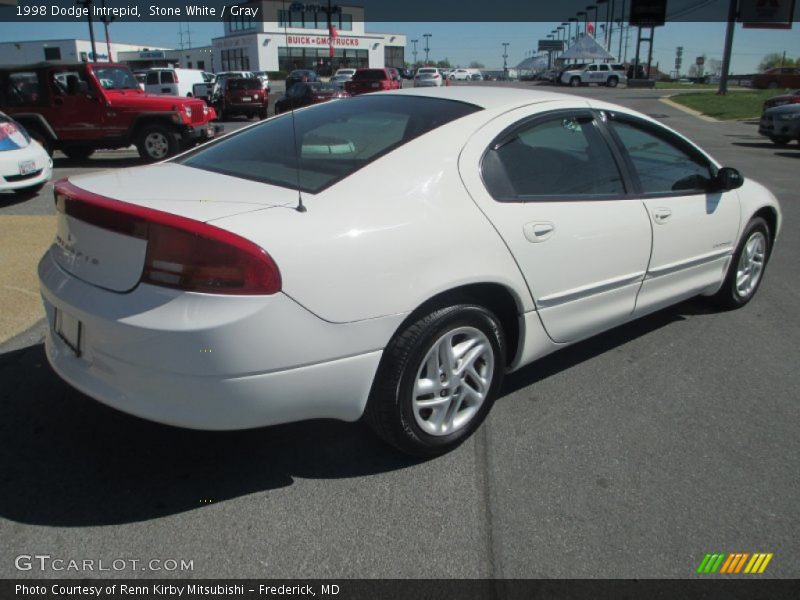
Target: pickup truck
(80, 108)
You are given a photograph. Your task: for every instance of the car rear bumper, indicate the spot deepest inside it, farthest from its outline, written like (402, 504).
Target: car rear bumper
(207, 361)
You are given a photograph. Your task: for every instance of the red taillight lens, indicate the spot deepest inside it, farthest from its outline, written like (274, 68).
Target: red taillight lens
(181, 253)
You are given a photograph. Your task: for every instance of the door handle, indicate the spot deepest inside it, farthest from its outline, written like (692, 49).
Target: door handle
(538, 231)
(661, 215)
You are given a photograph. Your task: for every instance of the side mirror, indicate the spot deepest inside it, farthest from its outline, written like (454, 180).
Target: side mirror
(729, 178)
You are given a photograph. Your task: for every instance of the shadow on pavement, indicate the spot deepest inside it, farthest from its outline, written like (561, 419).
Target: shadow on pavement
(66, 460)
(12, 198)
(795, 154)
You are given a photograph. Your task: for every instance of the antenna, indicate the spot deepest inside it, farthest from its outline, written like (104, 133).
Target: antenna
(300, 207)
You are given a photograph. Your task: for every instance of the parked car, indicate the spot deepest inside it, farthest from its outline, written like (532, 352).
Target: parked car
(781, 124)
(601, 74)
(428, 77)
(300, 75)
(25, 166)
(779, 77)
(397, 81)
(338, 81)
(406, 73)
(370, 80)
(263, 76)
(306, 94)
(460, 75)
(60, 107)
(546, 229)
(141, 77)
(242, 96)
(172, 82)
(790, 98)
(345, 73)
(476, 76)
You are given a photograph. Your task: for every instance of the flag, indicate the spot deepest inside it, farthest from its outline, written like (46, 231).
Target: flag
(333, 34)
(590, 28)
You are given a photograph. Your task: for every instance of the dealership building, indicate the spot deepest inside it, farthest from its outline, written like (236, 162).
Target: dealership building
(278, 39)
(65, 51)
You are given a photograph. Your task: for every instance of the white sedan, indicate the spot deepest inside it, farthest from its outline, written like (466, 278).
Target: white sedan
(24, 165)
(273, 286)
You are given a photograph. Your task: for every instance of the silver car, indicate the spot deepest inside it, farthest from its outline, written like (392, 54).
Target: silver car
(781, 124)
(428, 77)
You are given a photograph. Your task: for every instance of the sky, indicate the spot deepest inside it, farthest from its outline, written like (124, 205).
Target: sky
(463, 43)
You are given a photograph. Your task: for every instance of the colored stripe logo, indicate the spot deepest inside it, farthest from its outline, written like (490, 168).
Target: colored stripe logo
(735, 563)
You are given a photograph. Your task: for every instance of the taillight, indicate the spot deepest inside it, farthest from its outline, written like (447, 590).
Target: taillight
(182, 253)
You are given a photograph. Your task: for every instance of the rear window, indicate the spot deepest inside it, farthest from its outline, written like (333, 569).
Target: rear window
(245, 84)
(369, 75)
(334, 140)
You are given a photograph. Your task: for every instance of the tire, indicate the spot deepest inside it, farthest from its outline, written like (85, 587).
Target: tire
(262, 114)
(458, 409)
(781, 141)
(44, 140)
(755, 244)
(157, 142)
(575, 82)
(78, 152)
(612, 82)
(30, 191)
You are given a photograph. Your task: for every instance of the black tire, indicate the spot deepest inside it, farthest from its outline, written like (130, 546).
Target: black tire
(728, 296)
(78, 152)
(390, 412)
(262, 114)
(613, 82)
(40, 136)
(575, 82)
(781, 141)
(30, 191)
(156, 142)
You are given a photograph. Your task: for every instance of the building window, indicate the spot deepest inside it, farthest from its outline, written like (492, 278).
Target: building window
(314, 20)
(319, 60)
(394, 56)
(235, 60)
(201, 64)
(240, 23)
(52, 53)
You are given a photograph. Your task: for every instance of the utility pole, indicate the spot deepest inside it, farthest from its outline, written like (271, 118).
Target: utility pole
(106, 19)
(427, 37)
(726, 56)
(505, 57)
(621, 31)
(414, 52)
(88, 5)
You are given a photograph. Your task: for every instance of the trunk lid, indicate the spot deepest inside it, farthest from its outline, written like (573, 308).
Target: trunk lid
(102, 242)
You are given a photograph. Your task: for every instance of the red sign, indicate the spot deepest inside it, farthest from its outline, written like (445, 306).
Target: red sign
(321, 40)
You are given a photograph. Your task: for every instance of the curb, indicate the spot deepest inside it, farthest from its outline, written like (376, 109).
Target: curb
(666, 100)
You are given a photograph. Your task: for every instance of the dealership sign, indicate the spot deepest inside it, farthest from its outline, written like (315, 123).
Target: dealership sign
(323, 40)
(766, 14)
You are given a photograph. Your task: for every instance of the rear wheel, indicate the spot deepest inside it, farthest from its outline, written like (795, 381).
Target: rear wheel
(262, 114)
(157, 142)
(575, 81)
(437, 380)
(613, 82)
(747, 266)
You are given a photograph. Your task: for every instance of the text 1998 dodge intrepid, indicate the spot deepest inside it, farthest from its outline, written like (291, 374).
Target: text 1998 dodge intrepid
(525, 221)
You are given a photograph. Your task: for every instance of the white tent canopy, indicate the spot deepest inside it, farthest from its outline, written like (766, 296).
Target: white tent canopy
(586, 48)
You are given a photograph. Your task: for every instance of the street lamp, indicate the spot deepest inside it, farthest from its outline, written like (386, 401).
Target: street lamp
(572, 20)
(106, 19)
(427, 37)
(505, 56)
(605, 27)
(585, 22)
(88, 5)
(414, 52)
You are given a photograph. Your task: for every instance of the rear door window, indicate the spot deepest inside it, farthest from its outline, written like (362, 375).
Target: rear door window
(167, 77)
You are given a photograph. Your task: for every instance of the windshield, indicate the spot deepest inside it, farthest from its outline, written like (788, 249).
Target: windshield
(245, 84)
(370, 75)
(334, 140)
(116, 78)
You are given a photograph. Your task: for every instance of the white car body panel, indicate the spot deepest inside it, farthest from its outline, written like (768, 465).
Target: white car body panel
(354, 267)
(10, 166)
(187, 78)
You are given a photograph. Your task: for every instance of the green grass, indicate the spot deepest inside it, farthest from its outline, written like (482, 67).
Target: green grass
(735, 105)
(675, 85)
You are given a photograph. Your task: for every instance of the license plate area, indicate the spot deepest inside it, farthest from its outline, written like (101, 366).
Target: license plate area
(246, 98)
(69, 329)
(27, 167)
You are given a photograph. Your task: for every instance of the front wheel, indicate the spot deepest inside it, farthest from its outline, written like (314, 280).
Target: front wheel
(157, 142)
(437, 380)
(747, 266)
(613, 81)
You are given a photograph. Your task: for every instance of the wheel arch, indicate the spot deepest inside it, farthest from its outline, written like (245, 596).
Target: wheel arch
(496, 297)
(770, 215)
(145, 119)
(36, 120)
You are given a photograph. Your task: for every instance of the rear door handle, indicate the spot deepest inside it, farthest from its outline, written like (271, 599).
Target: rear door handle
(661, 215)
(538, 231)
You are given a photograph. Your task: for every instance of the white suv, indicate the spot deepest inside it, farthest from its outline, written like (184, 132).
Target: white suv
(601, 74)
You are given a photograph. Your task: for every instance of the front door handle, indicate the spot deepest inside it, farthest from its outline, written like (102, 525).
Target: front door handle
(661, 215)
(538, 231)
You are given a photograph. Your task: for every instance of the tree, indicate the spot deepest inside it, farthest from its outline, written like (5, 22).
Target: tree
(776, 59)
(443, 64)
(714, 66)
(476, 65)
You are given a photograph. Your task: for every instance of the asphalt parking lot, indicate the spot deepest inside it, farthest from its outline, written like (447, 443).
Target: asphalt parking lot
(632, 454)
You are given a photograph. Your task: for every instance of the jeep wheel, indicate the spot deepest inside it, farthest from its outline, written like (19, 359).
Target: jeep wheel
(157, 142)
(78, 152)
(613, 81)
(575, 81)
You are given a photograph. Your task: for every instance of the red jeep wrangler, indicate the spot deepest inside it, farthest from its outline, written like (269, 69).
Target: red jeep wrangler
(82, 107)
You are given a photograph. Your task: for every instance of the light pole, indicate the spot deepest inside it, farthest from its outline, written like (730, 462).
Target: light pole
(605, 21)
(621, 29)
(572, 20)
(88, 5)
(581, 14)
(427, 37)
(505, 57)
(106, 19)
(414, 52)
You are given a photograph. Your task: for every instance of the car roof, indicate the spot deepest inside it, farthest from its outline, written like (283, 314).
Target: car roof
(486, 97)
